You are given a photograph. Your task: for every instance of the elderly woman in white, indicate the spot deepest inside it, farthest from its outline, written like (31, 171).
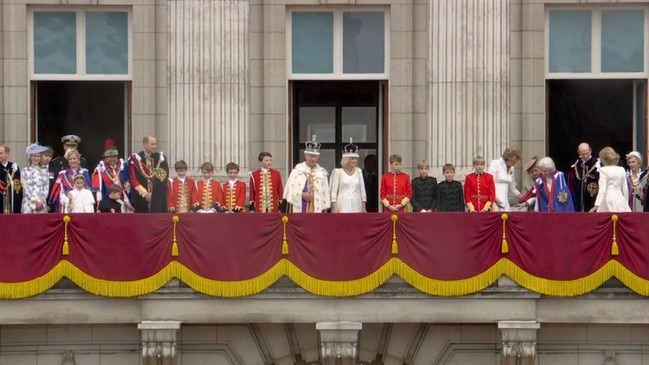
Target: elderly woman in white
(347, 184)
(502, 170)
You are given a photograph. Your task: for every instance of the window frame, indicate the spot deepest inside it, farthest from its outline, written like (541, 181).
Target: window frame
(596, 46)
(80, 17)
(338, 44)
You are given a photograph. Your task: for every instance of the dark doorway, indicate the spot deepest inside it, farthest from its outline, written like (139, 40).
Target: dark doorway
(334, 111)
(93, 110)
(599, 112)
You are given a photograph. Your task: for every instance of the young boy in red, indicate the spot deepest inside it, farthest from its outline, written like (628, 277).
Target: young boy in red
(234, 190)
(479, 188)
(396, 190)
(181, 191)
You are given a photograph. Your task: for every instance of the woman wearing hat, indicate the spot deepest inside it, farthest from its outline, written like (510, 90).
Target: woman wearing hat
(347, 185)
(35, 181)
(65, 181)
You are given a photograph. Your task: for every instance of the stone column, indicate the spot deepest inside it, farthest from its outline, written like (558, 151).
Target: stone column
(208, 81)
(468, 67)
(519, 342)
(159, 342)
(338, 342)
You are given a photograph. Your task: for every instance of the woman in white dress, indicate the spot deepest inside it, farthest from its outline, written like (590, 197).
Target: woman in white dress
(613, 194)
(35, 181)
(347, 185)
(502, 170)
(637, 178)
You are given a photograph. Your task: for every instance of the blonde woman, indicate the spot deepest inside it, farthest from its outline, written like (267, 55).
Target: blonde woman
(347, 184)
(613, 194)
(35, 181)
(637, 178)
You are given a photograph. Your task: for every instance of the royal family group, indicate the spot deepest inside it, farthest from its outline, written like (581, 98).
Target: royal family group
(142, 184)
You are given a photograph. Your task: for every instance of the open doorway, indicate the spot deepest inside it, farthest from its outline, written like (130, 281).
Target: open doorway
(336, 111)
(93, 110)
(599, 112)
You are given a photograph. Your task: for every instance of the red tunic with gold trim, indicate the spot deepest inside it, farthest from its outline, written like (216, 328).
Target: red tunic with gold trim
(181, 195)
(395, 189)
(209, 195)
(266, 190)
(235, 199)
(479, 191)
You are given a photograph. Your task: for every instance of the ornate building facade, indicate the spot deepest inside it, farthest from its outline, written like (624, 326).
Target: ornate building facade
(222, 80)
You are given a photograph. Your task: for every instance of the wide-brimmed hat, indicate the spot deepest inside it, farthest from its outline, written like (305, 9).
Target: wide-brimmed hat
(35, 148)
(531, 163)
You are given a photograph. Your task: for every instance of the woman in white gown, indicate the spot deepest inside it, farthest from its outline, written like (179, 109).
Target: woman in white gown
(613, 194)
(347, 185)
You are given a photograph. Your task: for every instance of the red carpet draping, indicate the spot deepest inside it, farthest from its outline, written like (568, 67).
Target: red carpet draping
(230, 255)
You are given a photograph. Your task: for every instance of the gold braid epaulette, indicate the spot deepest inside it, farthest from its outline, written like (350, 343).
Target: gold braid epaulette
(266, 201)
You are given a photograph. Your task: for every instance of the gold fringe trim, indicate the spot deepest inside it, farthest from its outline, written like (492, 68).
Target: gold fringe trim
(230, 288)
(119, 288)
(631, 280)
(615, 251)
(395, 247)
(559, 288)
(504, 248)
(448, 287)
(284, 241)
(65, 251)
(174, 245)
(33, 287)
(347, 288)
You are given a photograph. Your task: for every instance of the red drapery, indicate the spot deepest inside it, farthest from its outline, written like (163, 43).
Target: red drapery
(326, 254)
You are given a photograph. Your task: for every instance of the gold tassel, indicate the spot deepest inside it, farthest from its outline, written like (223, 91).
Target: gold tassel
(284, 241)
(615, 251)
(65, 251)
(395, 248)
(174, 245)
(504, 247)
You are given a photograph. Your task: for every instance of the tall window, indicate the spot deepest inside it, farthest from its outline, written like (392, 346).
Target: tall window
(605, 42)
(335, 44)
(79, 44)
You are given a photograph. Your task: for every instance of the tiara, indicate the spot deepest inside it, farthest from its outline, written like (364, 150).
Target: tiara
(350, 150)
(312, 147)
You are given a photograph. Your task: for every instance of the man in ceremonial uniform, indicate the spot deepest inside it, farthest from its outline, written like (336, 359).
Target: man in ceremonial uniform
(307, 187)
(59, 163)
(266, 189)
(234, 191)
(112, 171)
(11, 192)
(583, 179)
(396, 188)
(149, 170)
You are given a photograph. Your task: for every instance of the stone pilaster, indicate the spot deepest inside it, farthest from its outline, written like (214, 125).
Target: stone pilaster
(519, 342)
(208, 81)
(468, 70)
(159, 342)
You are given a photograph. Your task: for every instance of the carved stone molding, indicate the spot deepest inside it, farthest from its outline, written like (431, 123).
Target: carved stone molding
(159, 342)
(519, 342)
(338, 342)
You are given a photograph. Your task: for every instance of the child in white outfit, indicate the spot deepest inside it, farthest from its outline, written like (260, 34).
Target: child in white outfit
(79, 199)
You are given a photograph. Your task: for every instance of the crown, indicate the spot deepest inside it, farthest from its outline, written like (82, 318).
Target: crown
(312, 147)
(350, 150)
